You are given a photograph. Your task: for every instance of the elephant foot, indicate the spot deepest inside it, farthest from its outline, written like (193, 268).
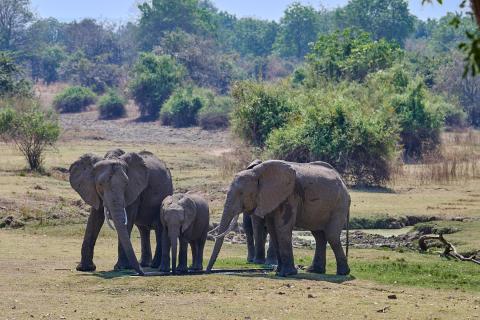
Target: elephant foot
(250, 259)
(155, 263)
(122, 266)
(182, 269)
(286, 272)
(86, 267)
(271, 262)
(316, 269)
(195, 268)
(165, 269)
(343, 271)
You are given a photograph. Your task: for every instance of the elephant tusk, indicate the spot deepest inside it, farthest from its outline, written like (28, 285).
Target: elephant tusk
(107, 217)
(126, 218)
(230, 228)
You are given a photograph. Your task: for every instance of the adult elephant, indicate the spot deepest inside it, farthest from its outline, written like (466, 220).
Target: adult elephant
(256, 234)
(127, 188)
(309, 196)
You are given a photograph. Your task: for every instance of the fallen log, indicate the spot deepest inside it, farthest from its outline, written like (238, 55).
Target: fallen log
(449, 251)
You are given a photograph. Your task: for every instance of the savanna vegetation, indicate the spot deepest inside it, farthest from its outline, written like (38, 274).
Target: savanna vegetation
(391, 101)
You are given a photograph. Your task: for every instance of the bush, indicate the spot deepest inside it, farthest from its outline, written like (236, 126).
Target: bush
(112, 106)
(358, 143)
(182, 107)
(12, 83)
(74, 99)
(216, 113)
(32, 131)
(154, 80)
(259, 109)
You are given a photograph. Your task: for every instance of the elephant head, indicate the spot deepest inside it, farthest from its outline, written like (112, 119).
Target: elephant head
(258, 190)
(114, 182)
(177, 215)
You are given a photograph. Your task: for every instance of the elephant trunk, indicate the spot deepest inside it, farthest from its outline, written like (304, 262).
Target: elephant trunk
(227, 218)
(174, 242)
(119, 221)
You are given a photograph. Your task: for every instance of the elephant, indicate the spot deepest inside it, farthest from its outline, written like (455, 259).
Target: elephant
(184, 217)
(127, 188)
(256, 234)
(288, 195)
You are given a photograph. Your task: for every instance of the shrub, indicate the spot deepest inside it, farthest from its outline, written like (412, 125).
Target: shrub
(11, 81)
(32, 131)
(74, 99)
(358, 143)
(420, 122)
(216, 113)
(112, 106)
(154, 80)
(182, 107)
(259, 109)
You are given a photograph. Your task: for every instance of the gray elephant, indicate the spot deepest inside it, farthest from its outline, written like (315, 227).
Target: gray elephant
(127, 188)
(184, 217)
(309, 196)
(256, 234)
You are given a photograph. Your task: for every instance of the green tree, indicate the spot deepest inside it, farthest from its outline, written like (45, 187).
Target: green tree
(14, 16)
(154, 79)
(389, 19)
(12, 82)
(350, 55)
(31, 131)
(160, 16)
(255, 37)
(298, 28)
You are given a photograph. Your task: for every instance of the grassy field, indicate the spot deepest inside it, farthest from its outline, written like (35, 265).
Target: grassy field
(37, 262)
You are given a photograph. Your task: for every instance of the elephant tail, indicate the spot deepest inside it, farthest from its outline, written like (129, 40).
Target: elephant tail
(348, 229)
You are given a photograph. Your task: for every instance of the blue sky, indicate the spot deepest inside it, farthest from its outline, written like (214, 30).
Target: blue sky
(122, 10)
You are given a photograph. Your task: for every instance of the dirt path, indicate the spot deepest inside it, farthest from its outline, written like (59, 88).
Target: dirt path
(87, 126)
(36, 283)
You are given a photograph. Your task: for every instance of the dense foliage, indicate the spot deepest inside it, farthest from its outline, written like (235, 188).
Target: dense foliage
(32, 131)
(216, 113)
(11, 81)
(182, 108)
(74, 99)
(112, 106)
(154, 79)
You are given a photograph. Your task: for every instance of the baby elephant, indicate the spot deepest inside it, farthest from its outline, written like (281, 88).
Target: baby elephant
(184, 216)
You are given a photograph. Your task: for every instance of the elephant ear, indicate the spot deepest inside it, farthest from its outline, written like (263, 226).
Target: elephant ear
(165, 203)
(276, 182)
(137, 173)
(82, 179)
(254, 164)
(190, 209)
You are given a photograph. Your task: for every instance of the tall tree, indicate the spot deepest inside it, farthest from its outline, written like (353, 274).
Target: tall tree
(14, 15)
(389, 19)
(255, 37)
(298, 28)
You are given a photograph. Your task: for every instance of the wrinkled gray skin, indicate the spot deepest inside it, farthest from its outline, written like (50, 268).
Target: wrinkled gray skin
(185, 217)
(256, 233)
(308, 196)
(124, 186)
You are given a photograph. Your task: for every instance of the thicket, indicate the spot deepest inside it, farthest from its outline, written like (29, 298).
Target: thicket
(182, 107)
(74, 99)
(112, 106)
(154, 79)
(216, 113)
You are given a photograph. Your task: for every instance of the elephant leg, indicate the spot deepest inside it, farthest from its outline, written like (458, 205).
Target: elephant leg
(274, 239)
(247, 226)
(284, 221)
(182, 256)
(200, 246)
(333, 239)
(146, 259)
(123, 262)
(194, 248)
(319, 260)
(260, 237)
(165, 261)
(271, 253)
(157, 258)
(94, 225)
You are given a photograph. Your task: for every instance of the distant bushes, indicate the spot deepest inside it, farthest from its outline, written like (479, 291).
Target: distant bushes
(182, 107)
(74, 99)
(154, 80)
(216, 113)
(111, 106)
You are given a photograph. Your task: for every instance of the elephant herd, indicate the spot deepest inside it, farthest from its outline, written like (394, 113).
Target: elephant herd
(276, 196)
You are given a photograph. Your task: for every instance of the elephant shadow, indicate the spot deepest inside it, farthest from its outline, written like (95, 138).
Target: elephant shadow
(332, 278)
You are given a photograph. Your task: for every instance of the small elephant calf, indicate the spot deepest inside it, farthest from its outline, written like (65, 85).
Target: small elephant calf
(184, 216)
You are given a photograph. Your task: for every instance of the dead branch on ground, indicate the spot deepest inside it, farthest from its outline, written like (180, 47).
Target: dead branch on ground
(450, 250)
